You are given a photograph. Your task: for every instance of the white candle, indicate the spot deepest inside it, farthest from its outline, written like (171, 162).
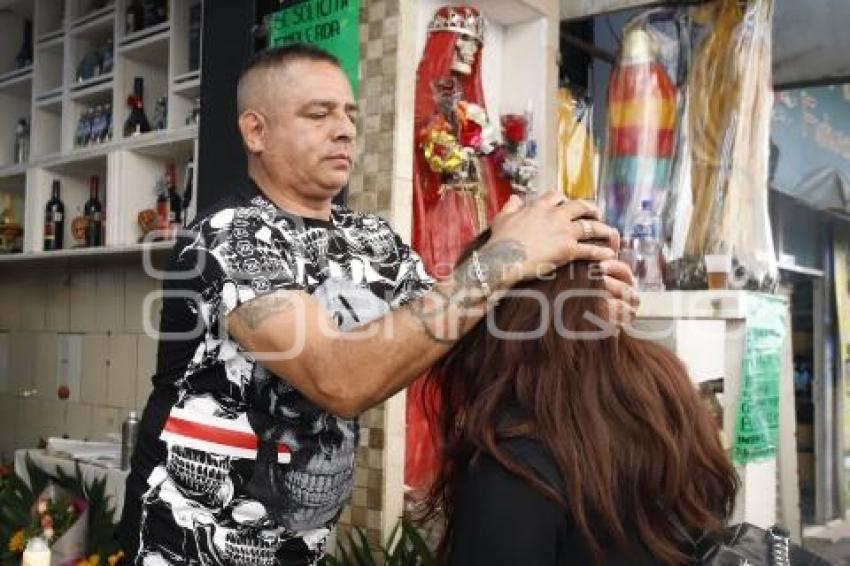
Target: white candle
(37, 553)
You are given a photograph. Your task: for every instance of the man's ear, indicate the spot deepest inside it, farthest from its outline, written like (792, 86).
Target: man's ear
(252, 126)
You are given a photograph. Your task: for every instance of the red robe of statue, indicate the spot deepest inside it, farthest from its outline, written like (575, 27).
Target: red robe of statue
(443, 224)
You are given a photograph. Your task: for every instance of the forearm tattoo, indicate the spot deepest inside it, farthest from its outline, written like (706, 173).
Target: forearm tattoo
(253, 313)
(466, 293)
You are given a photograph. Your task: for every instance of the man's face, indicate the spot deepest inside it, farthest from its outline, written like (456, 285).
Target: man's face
(308, 140)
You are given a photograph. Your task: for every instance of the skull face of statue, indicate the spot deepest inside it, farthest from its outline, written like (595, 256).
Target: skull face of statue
(465, 51)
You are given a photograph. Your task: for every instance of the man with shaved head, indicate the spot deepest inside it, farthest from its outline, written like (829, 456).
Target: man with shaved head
(286, 316)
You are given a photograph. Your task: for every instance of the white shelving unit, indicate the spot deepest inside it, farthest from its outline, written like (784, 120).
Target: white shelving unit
(49, 95)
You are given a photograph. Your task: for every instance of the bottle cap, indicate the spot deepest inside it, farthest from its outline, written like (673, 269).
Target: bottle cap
(133, 415)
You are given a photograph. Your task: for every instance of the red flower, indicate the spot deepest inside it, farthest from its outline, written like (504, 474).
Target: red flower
(46, 522)
(5, 471)
(80, 505)
(514, 128)
(470, 134)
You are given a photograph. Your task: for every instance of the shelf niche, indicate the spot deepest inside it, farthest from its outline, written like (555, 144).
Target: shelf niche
(47, 93)
(73, 180)
(518, 66)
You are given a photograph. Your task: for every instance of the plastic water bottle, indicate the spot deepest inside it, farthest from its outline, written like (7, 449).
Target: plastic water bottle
(645, 241)
(129, 430)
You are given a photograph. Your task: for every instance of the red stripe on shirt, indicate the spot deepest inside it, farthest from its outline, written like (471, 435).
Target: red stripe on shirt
(216, 434)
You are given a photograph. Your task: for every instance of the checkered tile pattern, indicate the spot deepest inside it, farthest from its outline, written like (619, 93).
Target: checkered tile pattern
(366, 504)
(370, 190)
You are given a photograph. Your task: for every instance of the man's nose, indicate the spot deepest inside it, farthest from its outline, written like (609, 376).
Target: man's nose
(345, 130)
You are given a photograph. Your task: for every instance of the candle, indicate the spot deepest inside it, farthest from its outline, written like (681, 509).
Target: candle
(37, 553)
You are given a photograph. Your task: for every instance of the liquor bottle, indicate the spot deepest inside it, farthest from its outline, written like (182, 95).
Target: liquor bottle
(97, 125)
(22, 141)
(175, 204)
(187, 191)
(134, 16)
(54, 220)
(24, 58)
(160, 113)
(154, 12)
(93, 212)
(89, 66)
(137, 122)
(108, 113)
(195, 36)
(162, 209)
(107, 57)
(83, 134)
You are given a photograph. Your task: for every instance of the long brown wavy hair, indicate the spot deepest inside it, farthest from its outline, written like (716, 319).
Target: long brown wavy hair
(638, 452)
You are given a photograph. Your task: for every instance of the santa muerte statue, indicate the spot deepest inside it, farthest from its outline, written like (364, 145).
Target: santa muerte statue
(459, 180)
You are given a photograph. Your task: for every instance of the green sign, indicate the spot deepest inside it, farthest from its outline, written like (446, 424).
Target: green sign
(757, 423)
(333, 25)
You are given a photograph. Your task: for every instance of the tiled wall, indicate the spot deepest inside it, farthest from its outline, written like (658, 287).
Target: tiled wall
(377, 499)
(103, 304)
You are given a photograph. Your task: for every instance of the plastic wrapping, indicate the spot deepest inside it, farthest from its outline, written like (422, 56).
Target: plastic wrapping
(642, 119)
(576, 173)
(689, 110)
(721, 204)
(757, 417)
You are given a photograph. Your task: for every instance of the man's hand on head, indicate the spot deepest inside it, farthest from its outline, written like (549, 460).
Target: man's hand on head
(546, 233)
(533, 238)
(620, 283)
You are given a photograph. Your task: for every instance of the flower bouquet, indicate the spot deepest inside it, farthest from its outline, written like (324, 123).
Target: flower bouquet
(453, 141)
(518, 163)
(59, 519)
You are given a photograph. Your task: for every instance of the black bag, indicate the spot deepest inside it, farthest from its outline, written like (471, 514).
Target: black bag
(749, 545)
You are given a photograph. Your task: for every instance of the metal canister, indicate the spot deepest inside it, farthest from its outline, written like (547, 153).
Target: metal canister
(129, 432)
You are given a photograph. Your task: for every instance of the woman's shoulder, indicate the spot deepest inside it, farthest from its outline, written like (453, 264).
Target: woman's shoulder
(503, 515)
(502, 519)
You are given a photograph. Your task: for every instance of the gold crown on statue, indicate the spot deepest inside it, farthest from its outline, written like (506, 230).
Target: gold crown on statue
(464, 20)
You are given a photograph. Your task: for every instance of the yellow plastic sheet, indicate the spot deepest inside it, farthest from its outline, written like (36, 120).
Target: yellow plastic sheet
(576, 176)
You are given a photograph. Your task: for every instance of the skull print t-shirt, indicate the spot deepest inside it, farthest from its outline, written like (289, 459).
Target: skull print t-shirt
(233, 465)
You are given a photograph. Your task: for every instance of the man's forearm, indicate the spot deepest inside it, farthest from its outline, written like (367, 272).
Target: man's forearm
(402, 345)
(373, 362)
(346, 373)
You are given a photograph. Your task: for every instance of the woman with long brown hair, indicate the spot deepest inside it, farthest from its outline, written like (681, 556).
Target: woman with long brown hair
(566, 442)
